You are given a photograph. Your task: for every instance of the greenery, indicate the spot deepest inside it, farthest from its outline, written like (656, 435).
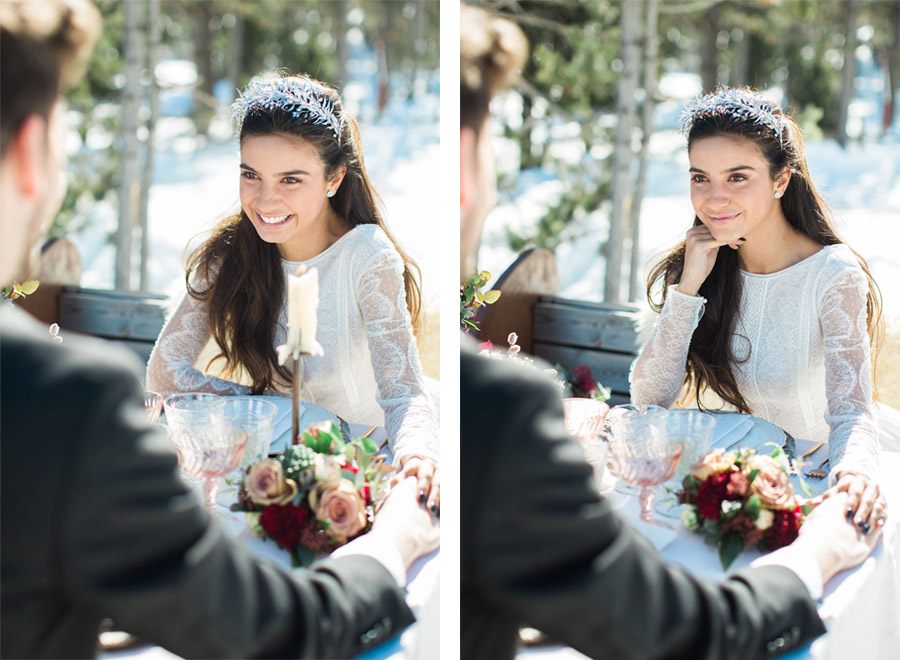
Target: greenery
(471, 298)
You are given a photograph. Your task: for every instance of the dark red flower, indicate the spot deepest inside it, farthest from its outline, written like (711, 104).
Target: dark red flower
(737, 487)
(284, 522)
(743, 525)
(710, 496)
(584, 379)
(313, 537)
(784, 528)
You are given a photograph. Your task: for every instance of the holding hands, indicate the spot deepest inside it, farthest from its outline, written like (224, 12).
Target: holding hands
(428, 483)
(866, 505)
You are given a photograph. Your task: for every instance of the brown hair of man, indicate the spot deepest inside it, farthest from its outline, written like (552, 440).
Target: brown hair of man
(492, 52)
(44, 47)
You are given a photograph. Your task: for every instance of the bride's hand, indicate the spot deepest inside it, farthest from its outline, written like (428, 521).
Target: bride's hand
(428, 483)
(866, 506)
(700, 252)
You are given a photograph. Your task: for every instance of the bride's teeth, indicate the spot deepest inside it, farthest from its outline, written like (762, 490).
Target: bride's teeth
(273, 220)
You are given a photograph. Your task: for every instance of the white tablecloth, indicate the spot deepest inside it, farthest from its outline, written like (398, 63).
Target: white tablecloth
(860, 607)
(422, 588)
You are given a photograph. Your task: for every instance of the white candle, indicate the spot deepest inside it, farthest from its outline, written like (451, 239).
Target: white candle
(303, 307)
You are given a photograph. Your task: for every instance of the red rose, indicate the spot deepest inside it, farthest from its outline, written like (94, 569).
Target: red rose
(283, 523)
(313, 537)
(710, 496)
(737, 487)
(584, 379)
(784, 528)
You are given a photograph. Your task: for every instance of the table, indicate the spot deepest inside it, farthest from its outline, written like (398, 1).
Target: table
(860, 607)
(422, 588)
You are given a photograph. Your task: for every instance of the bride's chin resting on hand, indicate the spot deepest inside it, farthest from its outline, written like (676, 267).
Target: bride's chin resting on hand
(866, 506)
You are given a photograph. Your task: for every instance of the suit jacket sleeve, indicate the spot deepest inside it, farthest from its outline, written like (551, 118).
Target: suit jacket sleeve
(549, 550)
(138, 546)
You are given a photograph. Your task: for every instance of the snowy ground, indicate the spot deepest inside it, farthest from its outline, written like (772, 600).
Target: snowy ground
(195, 183)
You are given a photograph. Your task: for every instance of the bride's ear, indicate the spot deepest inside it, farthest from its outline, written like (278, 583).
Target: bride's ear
(338, 177)
(782, 180)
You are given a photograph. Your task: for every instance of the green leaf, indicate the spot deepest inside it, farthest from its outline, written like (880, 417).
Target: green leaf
(732, 545)
(28, 287)
(492, 296)
(752, 506)
(369, 446)
(752, 475)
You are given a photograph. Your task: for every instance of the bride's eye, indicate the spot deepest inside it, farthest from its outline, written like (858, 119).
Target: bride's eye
(698, 178)
(738, 177)
(291, 180)
(250, 176)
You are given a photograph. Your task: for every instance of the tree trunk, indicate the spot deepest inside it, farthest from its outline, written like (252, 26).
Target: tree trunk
(848, 72)
(129, 145)
(741, 75)
(236, 65)
(339, 9)
(893, 88)
(154, 34)
(622, 151)
(204, 103)
(526, 157)
(710, 26)
(651, 52)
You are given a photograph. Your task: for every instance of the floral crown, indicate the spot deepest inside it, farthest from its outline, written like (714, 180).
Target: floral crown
(293, 95)
(752, 107)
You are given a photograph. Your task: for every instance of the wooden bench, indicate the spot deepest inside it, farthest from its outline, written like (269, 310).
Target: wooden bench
(130, 319)
(602, 336)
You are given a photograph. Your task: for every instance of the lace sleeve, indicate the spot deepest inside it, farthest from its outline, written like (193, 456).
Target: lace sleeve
(410, 421)
(171, 366)
(657, 375)
(853, 438)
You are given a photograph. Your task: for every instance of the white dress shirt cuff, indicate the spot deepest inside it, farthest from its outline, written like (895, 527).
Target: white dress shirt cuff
(799, 561)
(377, 547)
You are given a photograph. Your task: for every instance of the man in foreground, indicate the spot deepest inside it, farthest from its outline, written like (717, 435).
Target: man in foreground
(95, 521)
(539, 546)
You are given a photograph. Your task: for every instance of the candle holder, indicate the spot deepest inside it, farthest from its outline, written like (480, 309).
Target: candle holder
(297, 367)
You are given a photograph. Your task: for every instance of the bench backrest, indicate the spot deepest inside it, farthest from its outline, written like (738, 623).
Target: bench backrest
(132, 319)
(602, 336)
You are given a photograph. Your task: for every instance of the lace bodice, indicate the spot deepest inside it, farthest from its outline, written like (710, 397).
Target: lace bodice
(370, 372)
(802, 353)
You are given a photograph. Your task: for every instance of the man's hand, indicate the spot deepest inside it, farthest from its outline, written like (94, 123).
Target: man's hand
(406, 523)
(835, 542)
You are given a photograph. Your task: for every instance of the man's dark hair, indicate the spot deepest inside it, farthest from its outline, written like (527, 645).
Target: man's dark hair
(492, 53)
(44, 46)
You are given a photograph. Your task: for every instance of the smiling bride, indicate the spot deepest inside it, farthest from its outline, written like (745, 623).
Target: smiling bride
(306, 200)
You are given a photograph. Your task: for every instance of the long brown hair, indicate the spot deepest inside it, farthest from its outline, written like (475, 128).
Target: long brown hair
(710, 359)
(239, 275)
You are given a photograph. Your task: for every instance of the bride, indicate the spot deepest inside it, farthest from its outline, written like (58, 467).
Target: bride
(306, 199)
(763, 304)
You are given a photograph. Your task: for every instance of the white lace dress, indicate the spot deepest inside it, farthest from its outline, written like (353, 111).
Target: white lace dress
(803, 357)
(370, 372)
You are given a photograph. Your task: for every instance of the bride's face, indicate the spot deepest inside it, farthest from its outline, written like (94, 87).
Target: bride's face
(283, 189)
(731, 189)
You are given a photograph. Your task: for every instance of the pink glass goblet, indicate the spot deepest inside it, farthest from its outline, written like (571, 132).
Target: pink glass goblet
(647, 462)
(153, 402)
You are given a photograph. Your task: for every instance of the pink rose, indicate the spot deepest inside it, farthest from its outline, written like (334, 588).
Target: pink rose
(343, 509)
(265, 484)
(715, 462)
(771, 483)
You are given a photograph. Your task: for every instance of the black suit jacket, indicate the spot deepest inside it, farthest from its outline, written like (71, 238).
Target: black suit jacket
(96, 523)
(540, 547)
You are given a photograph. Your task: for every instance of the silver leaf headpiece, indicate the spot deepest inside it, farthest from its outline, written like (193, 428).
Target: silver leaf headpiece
(741, 103)
(295, 96)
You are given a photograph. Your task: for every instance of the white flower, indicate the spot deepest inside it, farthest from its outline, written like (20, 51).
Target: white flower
(765, 519)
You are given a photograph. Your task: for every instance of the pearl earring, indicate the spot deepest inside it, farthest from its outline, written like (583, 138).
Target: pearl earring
(329, 194)
(778, 194)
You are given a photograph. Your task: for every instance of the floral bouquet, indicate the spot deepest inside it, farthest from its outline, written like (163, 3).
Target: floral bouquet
(317, 495)
(471, 297)
(583, 385)
(740, 498)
